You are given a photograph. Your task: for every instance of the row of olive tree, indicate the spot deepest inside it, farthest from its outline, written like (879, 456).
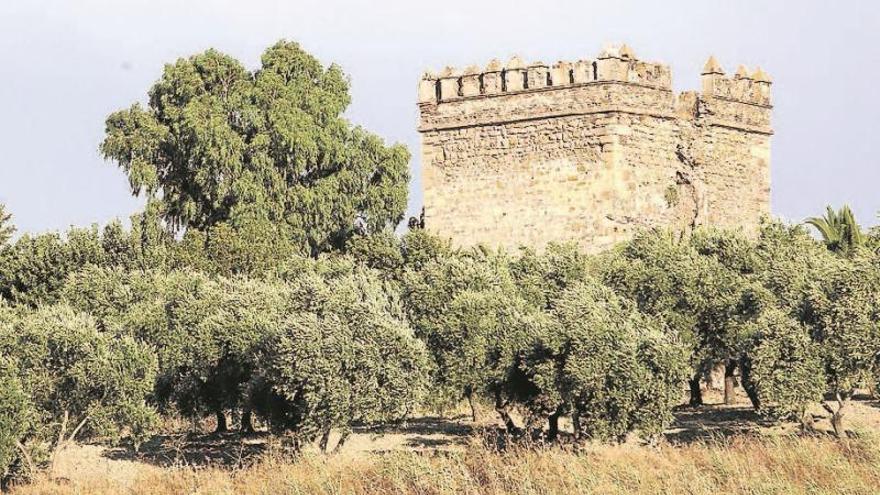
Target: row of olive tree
(396, 324)
(801, 324)
(324, 345)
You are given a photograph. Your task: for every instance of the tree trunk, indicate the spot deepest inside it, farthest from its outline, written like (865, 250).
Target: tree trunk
(473, 406)
(837, 423)
(748, 386)
(576, 424)
(247, 422)
(807, 423)
(553, 425)
(501, 407)
(837, 414)
(696, 392)
(837, 417)
(26, 456)
(341, 442)
(222, 426)
(325, 439)
(730, 382)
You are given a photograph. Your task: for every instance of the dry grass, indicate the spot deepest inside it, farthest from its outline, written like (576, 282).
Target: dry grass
(747, 465)
(711, 450)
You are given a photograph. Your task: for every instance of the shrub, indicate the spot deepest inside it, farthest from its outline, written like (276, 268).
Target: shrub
(782, 369)
(16, 421)
(845, 321)
(615, 370)
(81, 381)
(343, 356)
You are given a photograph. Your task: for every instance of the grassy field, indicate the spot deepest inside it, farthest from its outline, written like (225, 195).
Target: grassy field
(743, 465)
(712, 450)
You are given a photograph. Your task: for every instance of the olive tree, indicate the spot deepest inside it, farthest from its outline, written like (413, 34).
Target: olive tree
(171, 311)
(789, 263)
(205, 331)
(80, 380)
(782, 368)
(612, 368)
(342, 355)
(844, 313)
(16, 422)
(453, 304)
(700, 300)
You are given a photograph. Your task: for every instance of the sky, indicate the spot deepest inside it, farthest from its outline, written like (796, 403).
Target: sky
(66, 64)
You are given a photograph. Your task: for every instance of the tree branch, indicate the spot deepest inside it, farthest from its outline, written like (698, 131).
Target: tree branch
(77, 429)
(63, 429)
(27, 457)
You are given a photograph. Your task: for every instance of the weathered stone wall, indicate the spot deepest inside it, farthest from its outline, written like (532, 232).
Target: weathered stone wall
(590, 151)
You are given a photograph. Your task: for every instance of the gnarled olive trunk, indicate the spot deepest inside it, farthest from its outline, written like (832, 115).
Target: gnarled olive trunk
(553, 425)
(341, 442)
(842, 401)
(470, 398)
(696, 391)
(325, 439)
(730, 381)
(222, 425)
(247, 422)
(501, 407)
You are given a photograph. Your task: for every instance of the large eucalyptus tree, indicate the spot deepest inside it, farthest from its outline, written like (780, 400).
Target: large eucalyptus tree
(218, 143)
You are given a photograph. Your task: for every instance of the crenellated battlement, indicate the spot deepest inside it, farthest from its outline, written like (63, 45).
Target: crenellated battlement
(590, 150)
(743, 87)
(617, 64)
(615, 81)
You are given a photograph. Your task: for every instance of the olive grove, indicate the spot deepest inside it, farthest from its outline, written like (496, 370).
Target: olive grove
(264, 286)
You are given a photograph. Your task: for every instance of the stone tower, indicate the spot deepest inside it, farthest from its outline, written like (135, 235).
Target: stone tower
(590, 151)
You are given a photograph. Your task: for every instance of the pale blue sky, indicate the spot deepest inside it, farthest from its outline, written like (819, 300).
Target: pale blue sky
(66, 64)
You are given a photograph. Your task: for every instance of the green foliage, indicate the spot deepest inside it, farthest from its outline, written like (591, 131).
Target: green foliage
(699, 299)
(381, 250)
(789, 264)
(6, 227)
(844, 312)
(839, 230)
(33, 270)
(225, 344)
(34, 267)
(16, 418)
(419, 247)
(79, 378)
(542, 278)
(453, 304)
(615, 369)
(782, 367)
(221, 144)
(732, 248)
(342, 355)
(254, 248)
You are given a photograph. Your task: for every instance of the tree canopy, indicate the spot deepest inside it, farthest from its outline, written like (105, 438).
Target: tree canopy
(218, 143)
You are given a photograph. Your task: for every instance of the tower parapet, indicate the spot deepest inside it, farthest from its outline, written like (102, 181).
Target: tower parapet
(741, 100)
(614, 64)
